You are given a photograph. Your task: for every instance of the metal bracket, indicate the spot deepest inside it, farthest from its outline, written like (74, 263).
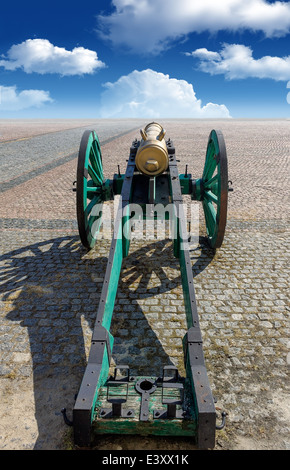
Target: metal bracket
(171, 382)
(119, 398)
(145, 387)
(170, 147)
(101, 335)
(223, 423)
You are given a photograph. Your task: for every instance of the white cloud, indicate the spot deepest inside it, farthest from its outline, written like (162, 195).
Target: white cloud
(151, 25)
(150, 94)
(203, 53)
(40, 56)
(237, 61)
(12, 100)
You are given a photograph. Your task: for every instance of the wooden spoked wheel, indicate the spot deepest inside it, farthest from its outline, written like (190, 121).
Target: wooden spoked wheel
(89, 188)
(215, 189)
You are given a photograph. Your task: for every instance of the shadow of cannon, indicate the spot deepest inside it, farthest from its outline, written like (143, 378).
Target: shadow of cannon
(52, 289)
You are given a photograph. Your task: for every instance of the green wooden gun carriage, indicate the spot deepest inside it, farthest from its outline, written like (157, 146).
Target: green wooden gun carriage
(169, 404)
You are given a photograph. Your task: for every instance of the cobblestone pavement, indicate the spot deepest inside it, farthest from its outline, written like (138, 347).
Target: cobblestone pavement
(50, 287)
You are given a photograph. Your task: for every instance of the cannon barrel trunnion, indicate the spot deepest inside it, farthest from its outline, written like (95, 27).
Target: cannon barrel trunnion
(122, 403)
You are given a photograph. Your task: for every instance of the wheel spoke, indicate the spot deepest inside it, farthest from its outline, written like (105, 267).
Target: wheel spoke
(211, 196)
(210, 164)
(210, 217)
(94, 222)
(92, 189)
(210, 168)
(95, 162)
(95, 177)
(96, 200)
(211, 182)
(92, 228)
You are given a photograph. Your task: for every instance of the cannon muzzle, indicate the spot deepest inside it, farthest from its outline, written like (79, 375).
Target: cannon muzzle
(152, 154)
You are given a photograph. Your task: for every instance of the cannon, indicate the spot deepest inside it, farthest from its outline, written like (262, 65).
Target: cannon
(169, 404)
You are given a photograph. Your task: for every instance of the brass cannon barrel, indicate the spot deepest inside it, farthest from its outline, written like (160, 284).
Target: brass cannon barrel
(152, 155)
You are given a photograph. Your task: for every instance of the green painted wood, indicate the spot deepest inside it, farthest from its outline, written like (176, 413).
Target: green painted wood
(95, 177)
(212, 184)
(112, 276)
(96, 156)
(185, 183)
(210, 214)
(126, 231)
(154, 426)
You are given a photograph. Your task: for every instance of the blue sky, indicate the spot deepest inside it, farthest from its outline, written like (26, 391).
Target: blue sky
(145, 58)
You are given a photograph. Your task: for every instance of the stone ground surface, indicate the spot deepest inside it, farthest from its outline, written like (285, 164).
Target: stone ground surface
(50, 286)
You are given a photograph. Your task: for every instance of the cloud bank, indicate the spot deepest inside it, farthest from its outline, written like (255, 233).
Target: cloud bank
(149, 26)
(40, 56)
(13, 100)
(236, 61)
(150, 94)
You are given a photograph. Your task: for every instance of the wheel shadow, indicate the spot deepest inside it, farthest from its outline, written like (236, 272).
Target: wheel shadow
(52, 289)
